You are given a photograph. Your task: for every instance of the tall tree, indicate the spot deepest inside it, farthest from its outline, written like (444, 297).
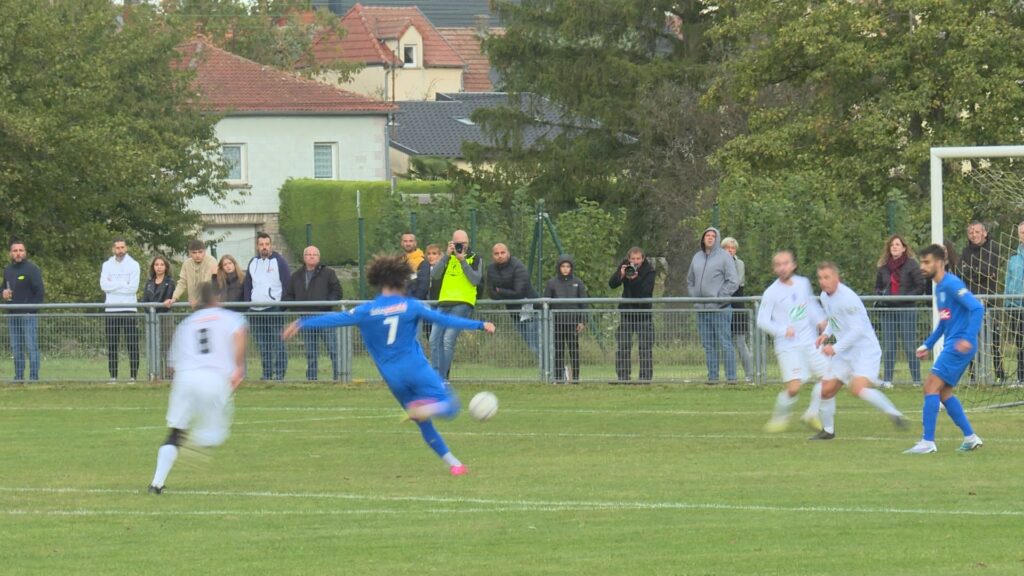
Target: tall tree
(629, 76)
(97, 135)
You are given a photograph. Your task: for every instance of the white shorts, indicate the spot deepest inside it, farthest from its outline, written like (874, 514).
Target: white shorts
(803, 363)
(852, 363)
(201, 403)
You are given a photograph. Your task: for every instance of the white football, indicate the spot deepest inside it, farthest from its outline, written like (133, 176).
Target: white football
(483, 406)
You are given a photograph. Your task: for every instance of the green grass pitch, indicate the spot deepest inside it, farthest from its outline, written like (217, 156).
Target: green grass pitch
(565, 480)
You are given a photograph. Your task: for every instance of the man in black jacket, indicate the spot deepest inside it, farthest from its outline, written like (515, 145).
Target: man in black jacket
(636, 276)
(979, 269)
(23, 284)
(508, 279)
(311, 283)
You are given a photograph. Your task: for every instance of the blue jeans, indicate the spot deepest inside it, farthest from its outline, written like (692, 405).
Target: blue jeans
(899, 327)
(442, 340)
(528, 330)
(266, 329)
(24, 337)
(715, 328)
(311, 341)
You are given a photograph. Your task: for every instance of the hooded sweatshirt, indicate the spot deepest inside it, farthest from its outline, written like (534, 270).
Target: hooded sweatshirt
(120, 282)
(712, 273)
(566, 287)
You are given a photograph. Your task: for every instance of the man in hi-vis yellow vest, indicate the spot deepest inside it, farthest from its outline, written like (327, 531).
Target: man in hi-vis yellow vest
(458, 273)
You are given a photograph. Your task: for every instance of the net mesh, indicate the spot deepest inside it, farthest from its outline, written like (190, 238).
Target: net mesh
(994, 272)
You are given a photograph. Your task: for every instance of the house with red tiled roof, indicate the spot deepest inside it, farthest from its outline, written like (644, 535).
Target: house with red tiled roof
(401, 54)
(275, 126)
(467, 41)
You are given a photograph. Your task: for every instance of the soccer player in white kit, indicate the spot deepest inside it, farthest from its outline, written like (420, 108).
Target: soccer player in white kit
(791, 314)
(208, 359)
(855, 357)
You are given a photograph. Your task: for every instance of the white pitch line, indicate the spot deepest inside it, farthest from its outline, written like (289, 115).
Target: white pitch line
(544, 504)
(284, 421)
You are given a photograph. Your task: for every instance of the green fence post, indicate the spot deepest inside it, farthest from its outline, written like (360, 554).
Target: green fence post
(309, 234)
(890, 210)
(472, 227)
(412, 222)
(714, 214)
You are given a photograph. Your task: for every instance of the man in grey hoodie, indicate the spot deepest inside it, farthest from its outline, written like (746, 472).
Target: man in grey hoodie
(712, 274)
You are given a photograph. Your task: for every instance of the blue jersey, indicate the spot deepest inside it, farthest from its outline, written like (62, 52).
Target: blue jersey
(390, 327)
(960, 313)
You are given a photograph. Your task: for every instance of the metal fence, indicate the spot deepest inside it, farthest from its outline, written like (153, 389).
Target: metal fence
(74, 342)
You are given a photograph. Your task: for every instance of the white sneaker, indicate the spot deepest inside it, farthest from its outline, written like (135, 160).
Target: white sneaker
(885, 385)
(922, 447)
(971, 442)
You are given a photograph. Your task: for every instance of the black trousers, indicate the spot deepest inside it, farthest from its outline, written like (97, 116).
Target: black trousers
(641, 324)
(122, 325)
(567, 342)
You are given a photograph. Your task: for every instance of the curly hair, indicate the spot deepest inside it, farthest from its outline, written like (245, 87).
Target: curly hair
(388, 271)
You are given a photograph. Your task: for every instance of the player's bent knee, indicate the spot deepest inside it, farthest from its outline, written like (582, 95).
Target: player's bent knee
(175, 437)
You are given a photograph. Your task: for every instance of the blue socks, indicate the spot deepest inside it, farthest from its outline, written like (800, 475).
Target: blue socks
(433, 438)
(956, 413)
(929, 416)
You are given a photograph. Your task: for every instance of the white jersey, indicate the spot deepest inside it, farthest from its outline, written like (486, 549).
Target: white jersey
(791, 305)
(206, 341)
(848, 321)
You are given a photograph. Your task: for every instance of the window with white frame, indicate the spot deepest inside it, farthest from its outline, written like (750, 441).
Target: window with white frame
(233, 156)
(409, 56)
(324, 155)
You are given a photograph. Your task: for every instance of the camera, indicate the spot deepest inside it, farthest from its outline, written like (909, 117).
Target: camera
(459, 247)
(632, 271)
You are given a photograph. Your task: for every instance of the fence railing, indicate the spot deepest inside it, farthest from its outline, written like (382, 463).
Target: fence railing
(75, 342)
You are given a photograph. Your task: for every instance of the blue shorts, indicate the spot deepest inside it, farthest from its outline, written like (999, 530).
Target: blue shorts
(410, 384)
(951, 364)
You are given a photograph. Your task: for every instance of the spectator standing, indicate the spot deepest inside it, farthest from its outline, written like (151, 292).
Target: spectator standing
(740, 318)
(413, 255)
(569, 319)
(23, 284)
(1014, 290)
(508, 279)
(160, 287)
(899, 275)
(426, 288)
(636, 276)
(200, 267)
(230, 279)
(315, 282)
(119, 279)
(265, 278)
(712, 274)
(459, 278)
(978, 268)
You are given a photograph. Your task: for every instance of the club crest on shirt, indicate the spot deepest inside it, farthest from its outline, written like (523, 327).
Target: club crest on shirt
(961, 292)
(945, 314)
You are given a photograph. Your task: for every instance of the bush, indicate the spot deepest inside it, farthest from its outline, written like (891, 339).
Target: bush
(330, 206)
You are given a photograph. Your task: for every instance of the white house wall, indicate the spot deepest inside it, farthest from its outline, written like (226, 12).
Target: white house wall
(277, 148)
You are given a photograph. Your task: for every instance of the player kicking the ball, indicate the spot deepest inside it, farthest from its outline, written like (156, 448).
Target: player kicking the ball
(855, 357)
(390, 326)
(960, 317)
(208, 359)
(791, 314)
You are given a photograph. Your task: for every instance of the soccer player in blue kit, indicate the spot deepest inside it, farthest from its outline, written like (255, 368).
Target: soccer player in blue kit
(390, 327)
(960, 316)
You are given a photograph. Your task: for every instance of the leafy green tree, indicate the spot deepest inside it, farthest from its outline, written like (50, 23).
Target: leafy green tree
(97, 137)
(855, 93)
(270, 32)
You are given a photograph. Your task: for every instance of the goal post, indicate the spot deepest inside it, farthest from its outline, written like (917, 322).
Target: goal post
(989, 392)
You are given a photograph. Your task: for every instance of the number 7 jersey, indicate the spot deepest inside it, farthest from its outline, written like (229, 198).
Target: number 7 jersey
(205, 340)
(390, 327)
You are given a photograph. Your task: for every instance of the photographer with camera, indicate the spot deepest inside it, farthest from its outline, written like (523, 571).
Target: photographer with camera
(636, 276)
(459, 278)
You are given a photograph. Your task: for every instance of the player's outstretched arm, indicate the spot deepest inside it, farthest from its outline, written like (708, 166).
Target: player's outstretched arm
(329, 320)
(435, 317)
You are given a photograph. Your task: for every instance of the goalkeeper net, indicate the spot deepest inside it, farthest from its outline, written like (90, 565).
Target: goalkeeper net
(995, 189)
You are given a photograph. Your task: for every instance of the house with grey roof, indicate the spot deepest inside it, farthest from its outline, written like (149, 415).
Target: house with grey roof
(439, 128)
(442, 13)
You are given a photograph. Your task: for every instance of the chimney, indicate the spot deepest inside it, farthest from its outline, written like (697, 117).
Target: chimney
(482, 23)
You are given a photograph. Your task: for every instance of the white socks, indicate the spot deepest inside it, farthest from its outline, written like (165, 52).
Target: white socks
(815, 406)
(783, 404)
(165, 458)
(828, 415)
(879, 400)
(450, 459)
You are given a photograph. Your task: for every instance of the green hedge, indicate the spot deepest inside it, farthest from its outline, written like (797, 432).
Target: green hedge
(330, 206)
